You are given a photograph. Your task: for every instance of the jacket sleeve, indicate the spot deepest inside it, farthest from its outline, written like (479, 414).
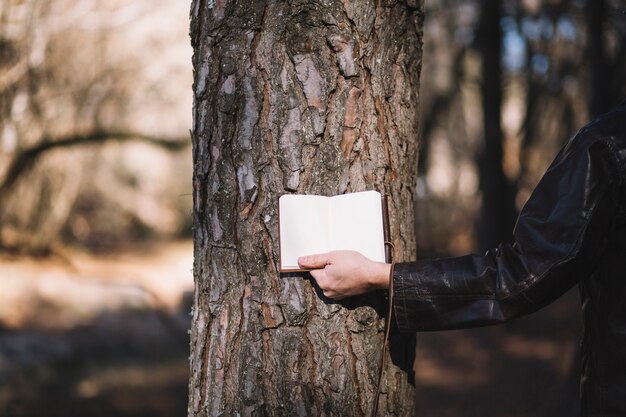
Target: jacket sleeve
(558, 240)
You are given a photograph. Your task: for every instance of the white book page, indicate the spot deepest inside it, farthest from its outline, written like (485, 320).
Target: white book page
(357, 224)
(304, 227)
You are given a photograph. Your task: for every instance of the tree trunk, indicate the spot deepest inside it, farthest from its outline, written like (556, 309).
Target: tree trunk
(600, 95)
(308, 97)
(498, 201)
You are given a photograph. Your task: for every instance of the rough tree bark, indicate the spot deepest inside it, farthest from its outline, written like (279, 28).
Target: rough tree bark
(311, 97)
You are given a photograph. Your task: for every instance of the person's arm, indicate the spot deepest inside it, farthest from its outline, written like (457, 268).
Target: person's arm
(559, 239)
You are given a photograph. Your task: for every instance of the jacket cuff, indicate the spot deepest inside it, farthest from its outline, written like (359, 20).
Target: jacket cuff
(401, 290)
(427, 299)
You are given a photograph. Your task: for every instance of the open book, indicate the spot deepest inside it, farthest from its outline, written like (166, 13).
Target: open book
(310, 224)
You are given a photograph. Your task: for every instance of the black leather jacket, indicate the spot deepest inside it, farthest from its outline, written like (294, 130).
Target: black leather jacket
(572, 230)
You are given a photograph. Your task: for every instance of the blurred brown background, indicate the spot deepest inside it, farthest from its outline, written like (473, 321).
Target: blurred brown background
(95, 196)
(95, 201)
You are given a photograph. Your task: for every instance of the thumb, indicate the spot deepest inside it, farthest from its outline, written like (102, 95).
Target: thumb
(317, 261)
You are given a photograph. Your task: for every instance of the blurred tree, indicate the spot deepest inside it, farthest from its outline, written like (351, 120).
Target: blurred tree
(549, 52)
(65, 108)
(600, 95)
(296, 97)
(498, 198)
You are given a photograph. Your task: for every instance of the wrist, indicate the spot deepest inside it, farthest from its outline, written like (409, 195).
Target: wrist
(381, 276)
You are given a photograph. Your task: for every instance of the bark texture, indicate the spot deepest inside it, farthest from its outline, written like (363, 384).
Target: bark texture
(304, 96)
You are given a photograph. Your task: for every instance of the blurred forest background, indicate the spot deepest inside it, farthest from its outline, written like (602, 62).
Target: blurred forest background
(95, 195)
(95, 203)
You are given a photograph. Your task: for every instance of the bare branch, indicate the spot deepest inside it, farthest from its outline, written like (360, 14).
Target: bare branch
(26, 158)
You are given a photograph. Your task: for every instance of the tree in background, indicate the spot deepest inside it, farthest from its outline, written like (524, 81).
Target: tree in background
(555, 59)
(547, 61)
(91, 128)
(498, 200)
(303, 97)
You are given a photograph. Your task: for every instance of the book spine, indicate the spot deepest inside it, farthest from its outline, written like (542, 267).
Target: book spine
(386, 229)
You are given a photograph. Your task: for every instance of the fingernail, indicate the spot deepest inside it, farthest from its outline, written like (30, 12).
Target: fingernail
(303, 259)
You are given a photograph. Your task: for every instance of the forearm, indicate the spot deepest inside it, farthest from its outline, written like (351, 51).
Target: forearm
(559, 238)
(454, 293)
(505, 283)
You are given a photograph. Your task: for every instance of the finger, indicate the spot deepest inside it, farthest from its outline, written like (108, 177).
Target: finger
(333, 295)
(319, 260)
(320, 276)
(323, 282)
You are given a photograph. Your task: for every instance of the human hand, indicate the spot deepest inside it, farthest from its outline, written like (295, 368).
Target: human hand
(345, 273)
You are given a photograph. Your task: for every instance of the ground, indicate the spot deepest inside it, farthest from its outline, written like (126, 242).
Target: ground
(89, 335)
(526, 368)
(106, 335)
